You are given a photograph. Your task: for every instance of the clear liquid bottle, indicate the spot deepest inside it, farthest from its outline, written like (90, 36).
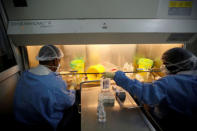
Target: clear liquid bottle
(100, 107)
(102, 115)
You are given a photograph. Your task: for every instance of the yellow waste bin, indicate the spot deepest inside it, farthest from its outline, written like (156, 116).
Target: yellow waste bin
(95, 69)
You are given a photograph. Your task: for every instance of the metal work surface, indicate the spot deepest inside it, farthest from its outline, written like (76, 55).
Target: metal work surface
(117, 117)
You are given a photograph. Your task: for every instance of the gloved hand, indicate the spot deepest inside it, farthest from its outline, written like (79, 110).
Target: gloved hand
(109, 75)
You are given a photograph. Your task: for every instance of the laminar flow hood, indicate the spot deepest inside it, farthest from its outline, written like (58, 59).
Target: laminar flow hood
(101, 22)
(102, 31)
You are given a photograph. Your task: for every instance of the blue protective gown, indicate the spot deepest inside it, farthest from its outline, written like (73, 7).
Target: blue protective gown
(173, 92)
(41, 98)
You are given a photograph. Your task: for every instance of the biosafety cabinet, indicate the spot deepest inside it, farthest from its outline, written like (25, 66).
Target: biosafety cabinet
(111, 33)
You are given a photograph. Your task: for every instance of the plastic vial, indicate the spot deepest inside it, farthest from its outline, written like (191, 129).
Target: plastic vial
(105, 84)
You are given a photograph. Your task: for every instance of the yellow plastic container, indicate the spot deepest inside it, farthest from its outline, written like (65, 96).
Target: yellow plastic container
(95, 69)
(145, 64)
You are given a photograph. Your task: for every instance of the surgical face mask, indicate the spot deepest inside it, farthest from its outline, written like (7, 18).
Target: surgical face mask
(57, 67)
(164, 70)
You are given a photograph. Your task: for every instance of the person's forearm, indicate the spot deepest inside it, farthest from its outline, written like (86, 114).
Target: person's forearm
(126, 83)
(148, 93)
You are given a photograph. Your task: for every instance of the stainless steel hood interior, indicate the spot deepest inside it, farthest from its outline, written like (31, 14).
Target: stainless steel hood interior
(102, 31)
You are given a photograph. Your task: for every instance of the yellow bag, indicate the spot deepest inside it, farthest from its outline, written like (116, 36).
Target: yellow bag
(145, 64)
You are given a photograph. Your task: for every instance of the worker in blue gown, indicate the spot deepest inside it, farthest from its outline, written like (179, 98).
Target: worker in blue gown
(173, 98)
(41, 96)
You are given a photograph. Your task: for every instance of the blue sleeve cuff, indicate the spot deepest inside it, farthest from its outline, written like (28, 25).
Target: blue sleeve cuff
(120, 77)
